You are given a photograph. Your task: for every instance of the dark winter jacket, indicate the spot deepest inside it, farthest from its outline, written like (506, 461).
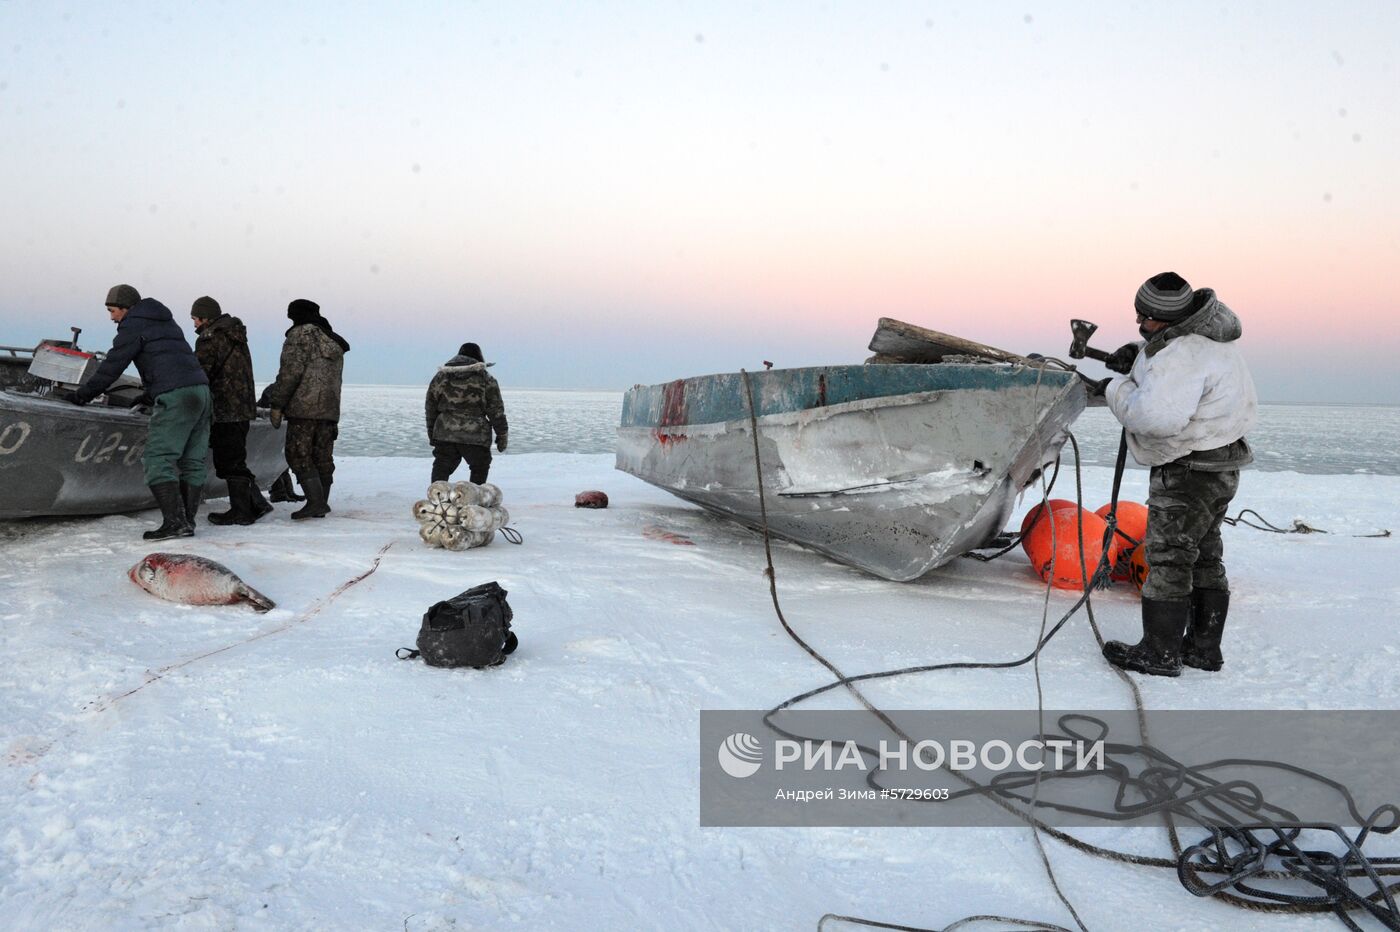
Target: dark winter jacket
(222, 348)
(308, 377)
(148, 336)
(464, 404)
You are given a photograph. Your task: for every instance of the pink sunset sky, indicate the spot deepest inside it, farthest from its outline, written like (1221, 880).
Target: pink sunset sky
(617, 193)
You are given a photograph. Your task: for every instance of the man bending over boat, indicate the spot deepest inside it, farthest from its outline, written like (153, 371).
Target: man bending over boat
(1186, 402)
(178, 438)
(222, 349)
(463, 407)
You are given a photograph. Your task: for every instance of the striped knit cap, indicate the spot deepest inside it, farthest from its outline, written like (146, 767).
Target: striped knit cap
(1165, 297)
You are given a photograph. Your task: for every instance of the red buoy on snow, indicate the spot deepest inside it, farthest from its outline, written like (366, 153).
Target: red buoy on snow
(1131, 532)
(1055, 505)
(1063, 557)
(1137, 567)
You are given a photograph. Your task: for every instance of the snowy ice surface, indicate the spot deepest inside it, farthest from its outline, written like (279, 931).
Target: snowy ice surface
(308, 779)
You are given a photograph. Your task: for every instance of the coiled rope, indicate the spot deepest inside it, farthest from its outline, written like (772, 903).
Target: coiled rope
(1280, 858)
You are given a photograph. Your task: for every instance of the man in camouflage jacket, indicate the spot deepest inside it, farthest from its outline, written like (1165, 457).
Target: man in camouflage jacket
(307, 393)
(222, 349)
(463, 408)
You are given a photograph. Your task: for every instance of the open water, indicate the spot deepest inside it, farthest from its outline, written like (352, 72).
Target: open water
(388, 420)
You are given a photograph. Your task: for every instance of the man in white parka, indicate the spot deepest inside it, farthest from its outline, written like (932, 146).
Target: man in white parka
(1186, 402)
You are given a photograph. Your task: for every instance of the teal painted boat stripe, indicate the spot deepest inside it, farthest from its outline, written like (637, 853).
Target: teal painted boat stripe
(712, 399)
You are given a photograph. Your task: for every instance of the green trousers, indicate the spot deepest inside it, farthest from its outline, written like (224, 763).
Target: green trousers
(178, 439)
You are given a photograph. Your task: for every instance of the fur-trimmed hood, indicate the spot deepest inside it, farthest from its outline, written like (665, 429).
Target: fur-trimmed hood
(463, 364)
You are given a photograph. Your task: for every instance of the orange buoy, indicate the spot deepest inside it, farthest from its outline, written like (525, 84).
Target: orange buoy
(1070, 565)
(1137, 567)
(1132, 523)
(1055, 505)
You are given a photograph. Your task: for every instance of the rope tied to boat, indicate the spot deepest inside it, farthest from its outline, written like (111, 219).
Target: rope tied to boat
(848, 682)
(1279, 859)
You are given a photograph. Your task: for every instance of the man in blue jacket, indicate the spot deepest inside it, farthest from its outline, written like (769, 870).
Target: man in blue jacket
(178, 438)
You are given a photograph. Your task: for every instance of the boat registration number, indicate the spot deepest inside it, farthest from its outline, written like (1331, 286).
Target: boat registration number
(98, 449)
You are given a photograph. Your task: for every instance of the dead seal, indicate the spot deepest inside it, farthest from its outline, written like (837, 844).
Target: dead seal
(193, 580)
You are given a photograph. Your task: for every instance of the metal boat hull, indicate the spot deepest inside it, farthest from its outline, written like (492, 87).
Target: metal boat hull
(894, 469)
(60, 459)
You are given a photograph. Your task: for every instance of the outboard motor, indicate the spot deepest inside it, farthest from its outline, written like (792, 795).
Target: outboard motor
(64, 366)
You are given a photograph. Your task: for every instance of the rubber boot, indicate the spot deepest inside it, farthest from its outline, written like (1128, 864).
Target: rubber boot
(256, 503)
(283, 491)
(315, 506)
(172, 510)
(191, 495)
(1202, 646)
(326, 483)
(1159, 652)
(239, 510)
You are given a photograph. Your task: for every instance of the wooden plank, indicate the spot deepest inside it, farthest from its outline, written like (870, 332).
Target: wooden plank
(898, 342)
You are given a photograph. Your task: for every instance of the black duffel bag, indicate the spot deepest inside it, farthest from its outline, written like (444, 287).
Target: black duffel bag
(468, 630)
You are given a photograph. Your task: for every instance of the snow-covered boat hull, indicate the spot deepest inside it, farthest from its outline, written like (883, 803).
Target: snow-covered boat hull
(894, 469)
(60, 459)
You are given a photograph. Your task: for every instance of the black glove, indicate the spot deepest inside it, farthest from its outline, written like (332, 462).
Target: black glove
(500, 443)
(71, 396)
(1097, 389)
(1122, 359)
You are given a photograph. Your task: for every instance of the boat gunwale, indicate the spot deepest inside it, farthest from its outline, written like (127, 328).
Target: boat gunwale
(644, 406)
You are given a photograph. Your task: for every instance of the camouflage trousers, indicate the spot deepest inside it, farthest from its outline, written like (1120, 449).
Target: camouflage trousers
(1185, 508)
(310, 447)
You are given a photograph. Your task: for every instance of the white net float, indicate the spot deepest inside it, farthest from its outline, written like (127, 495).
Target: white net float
(439, 492)
(490, 495)
(451, 514)
(428, 530)
(465, 493)
(420, 509)
(480, 538)
(475, 518)
(499, 517)
(456, 538)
